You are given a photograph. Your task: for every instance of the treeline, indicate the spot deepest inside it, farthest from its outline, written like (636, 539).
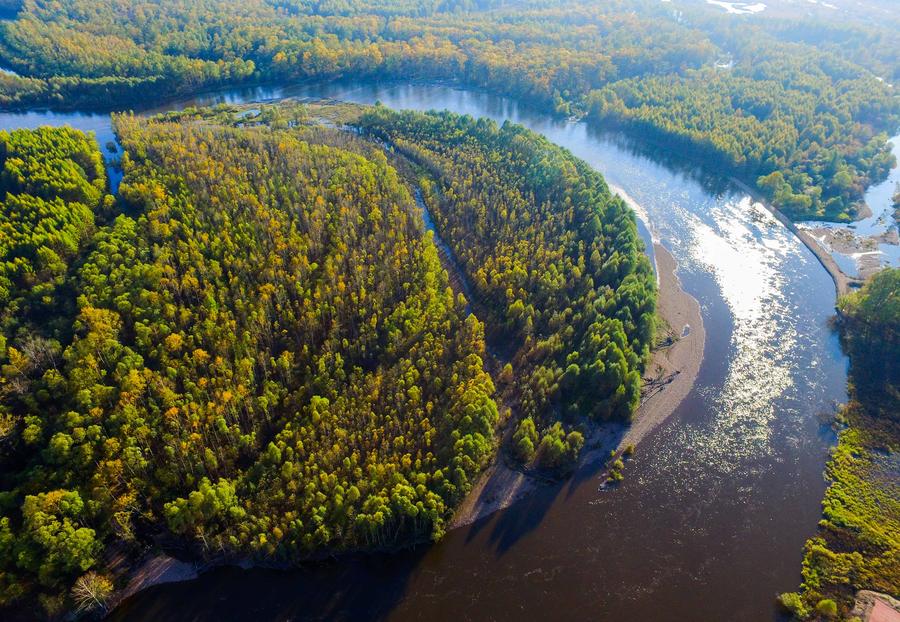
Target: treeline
(554, 260)
(858, 545)
(53, 186)
(783, 118)
(776, 102)
(260, 355)
(532, 50)
(70, 92)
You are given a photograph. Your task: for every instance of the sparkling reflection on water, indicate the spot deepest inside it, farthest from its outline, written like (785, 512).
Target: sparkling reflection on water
(748, 259)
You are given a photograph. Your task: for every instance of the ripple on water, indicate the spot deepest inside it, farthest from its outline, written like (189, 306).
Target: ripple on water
(752, 260)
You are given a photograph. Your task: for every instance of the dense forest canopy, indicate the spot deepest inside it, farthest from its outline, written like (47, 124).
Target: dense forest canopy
(553, 257)
(272, 364)
(53, 186)
(254, 350)
(801, 107)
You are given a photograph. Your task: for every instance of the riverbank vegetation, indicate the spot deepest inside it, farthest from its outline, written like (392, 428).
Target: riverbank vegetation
(773, 102)
(896, 200)
(858, 545)
(253, 351)
(555, 262)
(269, 365)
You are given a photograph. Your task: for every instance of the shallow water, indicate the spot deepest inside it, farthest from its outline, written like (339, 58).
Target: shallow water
(880, 200)
(717, 503)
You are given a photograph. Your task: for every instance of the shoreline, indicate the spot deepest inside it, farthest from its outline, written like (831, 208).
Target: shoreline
(154, 569)
(678, 364)
(669, 377)
(842, 282)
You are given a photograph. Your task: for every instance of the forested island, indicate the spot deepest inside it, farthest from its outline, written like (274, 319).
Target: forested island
(780, 106)
(274, 366)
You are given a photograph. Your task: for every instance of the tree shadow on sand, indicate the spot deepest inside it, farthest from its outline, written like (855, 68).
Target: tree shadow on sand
(508, 526)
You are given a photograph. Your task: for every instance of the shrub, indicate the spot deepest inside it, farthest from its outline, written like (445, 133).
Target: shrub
(827, 608)
(793, 603)
(558, 450)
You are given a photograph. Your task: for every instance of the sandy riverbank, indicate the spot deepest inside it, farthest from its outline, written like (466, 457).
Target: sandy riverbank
(668, 379)
(153, 569)
(673, 369)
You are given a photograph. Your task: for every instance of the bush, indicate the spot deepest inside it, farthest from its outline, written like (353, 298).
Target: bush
(793, 603)
(827, 608)
(559, 451)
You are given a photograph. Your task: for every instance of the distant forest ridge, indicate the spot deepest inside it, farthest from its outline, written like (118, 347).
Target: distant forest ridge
(800, 108)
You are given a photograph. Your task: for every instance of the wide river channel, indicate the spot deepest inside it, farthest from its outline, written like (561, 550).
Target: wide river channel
(711, 519)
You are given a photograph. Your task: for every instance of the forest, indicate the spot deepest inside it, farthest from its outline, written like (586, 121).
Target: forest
(262, 366)
(255, 351)
(554, 259)
(802, 116)
(858, 544)
(274, 365)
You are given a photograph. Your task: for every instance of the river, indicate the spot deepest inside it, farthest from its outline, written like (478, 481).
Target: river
(718, 501)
